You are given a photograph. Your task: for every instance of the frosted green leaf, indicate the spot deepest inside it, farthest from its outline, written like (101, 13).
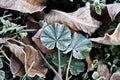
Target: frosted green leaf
(95, 75)
(76, 67)
(80, 46)
(101, 78)
(56, 35)
(63, 57)
(2, 75)
(22, 35)
(42, 23)
(1, 63)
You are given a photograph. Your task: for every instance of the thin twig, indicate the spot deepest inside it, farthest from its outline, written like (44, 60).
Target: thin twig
(29, 30)
(5, 56)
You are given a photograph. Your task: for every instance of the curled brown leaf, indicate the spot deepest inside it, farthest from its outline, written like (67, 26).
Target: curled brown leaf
(103, 70)
(16, 67)
(26, 6)
(113, 10)
(89, 62)
(27, 58)
(115, 76)
(2, 40)
(79, 20)
(113, 39)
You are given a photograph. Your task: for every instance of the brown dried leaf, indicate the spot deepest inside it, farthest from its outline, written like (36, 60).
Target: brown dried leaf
(38, 42)
(89, 62)
(28, 56)
(103, 70)
(113, 10)
(115, 76)
(79, 20)
(2, 40)
(26, 6)
(113, 39)
(16, 67)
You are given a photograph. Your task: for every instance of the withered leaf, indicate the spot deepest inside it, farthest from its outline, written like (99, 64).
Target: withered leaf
(2, 40)
(89, 62)
(113, 39)
(103, 70)
(79, 20)
(113, 10)
(26, 6)
(115, 76)
(36, 39)
(16, 66)
(28, 56)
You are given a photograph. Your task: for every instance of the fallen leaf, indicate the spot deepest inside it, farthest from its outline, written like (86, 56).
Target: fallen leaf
(28, 56)
(2, 75)
(89, 62)
(38, 15)
(103, 70)
(38, 42)
(113, 39)
(79, 20)
(33, 25)
(16, 67)
(113, 10)
(26, 6)
(115, 76)
(2, 40)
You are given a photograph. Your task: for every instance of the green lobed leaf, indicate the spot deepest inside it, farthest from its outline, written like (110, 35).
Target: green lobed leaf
(42, 23)
(98, 10)
(80, 46)
(95, 63)
(1, 63)
(63, 57)
(23, 34)
(2, 75)
(56, 35)
(101, 78)
(12, 27)
(95, 75)
(76, 66)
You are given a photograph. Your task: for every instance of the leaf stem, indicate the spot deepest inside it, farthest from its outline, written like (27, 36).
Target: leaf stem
(67, 72)
(59, 62)
(55, 72)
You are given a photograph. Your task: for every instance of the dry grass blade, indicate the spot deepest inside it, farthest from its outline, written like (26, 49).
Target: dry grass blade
(26, 6)
(113, 10)
(113, 39)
